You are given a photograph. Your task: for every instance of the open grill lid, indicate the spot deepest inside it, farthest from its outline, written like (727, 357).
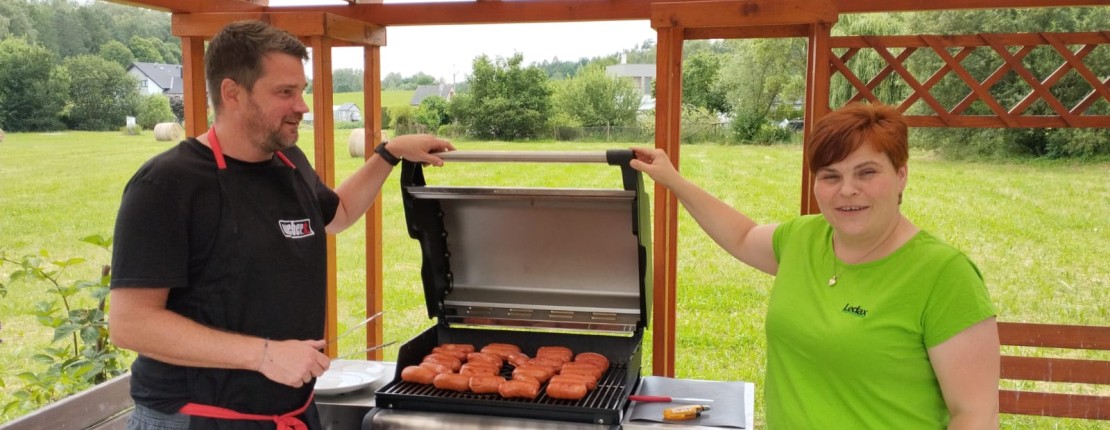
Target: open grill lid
(554, 258)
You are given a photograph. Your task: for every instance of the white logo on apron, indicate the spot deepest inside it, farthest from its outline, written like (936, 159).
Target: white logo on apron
(296, 229)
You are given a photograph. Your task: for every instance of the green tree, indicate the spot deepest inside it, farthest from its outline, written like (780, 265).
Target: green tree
(762, 77)
(117, 52)
(346, 80)
(15, 21)
(32, 89)
(154, 109)
(145, 50)
(593, 99)
(432, 113)
(506, 101)
(699, 81)
(101, 93)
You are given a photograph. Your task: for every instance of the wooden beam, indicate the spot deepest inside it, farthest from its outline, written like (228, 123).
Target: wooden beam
(741, 13)
(192, 76)
(372, 129)
(817, 103)
(323, 128)
(523, 11)
(197, 6)
(753, 32)
(488, 12)
(668, 120)
(300, 24)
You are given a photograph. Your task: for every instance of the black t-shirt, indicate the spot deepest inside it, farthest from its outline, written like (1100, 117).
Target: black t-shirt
(165, 232)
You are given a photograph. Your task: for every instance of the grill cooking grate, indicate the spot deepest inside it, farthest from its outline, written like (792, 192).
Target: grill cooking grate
(607, 399)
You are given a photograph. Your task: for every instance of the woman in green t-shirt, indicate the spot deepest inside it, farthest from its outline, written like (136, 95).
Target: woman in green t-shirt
(872, 323)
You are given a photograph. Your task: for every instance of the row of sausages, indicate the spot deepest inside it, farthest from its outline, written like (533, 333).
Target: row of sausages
(460, 367)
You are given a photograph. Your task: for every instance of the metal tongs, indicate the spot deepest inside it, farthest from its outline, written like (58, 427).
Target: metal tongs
(370, 349)
(356, 327)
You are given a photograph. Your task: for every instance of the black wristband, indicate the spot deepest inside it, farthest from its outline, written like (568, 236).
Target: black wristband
(386, 155)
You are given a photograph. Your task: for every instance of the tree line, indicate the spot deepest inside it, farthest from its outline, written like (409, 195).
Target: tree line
(62, 66)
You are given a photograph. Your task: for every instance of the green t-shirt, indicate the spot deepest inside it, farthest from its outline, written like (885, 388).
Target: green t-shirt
(854, 355)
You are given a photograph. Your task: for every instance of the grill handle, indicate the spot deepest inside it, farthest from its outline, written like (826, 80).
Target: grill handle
(613, 156)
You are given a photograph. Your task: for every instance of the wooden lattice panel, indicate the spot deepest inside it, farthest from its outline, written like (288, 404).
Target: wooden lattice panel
(1004, 78)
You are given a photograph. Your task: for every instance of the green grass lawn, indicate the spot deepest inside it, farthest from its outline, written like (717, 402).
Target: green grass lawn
(1038, 232)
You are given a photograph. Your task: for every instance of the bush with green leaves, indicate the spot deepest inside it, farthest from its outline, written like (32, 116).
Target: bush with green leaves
(84, 355)
(154, 109)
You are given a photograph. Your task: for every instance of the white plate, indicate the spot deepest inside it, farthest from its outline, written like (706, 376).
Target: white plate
(344, 376)
(373, 369)
(338, 382)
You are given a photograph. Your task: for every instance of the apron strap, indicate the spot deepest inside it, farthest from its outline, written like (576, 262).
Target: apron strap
(218, 151)
(286, 421)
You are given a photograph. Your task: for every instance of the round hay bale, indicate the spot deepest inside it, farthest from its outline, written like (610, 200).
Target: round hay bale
(168, 131)
(356, 143)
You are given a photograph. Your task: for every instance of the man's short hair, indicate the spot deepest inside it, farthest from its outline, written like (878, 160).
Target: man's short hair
(236, 53)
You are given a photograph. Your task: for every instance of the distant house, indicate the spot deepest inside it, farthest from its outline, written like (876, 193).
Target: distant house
(346, 112)
(641, 74)
(156, 78)
(424, 91)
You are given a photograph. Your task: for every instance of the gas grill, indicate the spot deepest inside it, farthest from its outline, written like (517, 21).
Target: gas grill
(531, 267)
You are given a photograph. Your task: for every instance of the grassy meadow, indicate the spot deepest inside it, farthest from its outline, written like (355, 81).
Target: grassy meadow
(1038, 232)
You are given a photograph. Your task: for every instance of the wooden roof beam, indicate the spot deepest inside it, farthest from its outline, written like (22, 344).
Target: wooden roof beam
(198, 6)
(300, 24)
(741, 13)
(489, 12)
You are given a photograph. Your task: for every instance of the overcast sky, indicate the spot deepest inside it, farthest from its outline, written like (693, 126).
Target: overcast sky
(448, 51)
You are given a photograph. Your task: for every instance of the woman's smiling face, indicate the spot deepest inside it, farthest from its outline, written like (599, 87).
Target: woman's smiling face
(859, 194)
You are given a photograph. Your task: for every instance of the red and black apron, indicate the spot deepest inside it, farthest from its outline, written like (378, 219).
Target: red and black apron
(267, 277)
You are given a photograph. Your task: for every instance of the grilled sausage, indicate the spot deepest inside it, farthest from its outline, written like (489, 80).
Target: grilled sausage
(486, 384)
(576, 367)
(464, 347)
(472, 369)
(566, 390)
(436, 367)
(525, 378)
(517, 359)
(418, 374)
(589, 381)
(519, 389)
(444, 359)
(540, 373)
(452, 381)
(593, 357)
(461, 356)
(549, 362)
(560, 352)
(507, 346)
(483, 357)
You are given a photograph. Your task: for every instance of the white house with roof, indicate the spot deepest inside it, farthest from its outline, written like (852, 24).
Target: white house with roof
(157, 78)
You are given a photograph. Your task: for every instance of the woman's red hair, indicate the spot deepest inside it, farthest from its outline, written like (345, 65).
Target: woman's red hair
(844, 130)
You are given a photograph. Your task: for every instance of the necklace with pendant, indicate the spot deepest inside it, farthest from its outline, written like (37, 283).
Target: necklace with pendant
(836, 266)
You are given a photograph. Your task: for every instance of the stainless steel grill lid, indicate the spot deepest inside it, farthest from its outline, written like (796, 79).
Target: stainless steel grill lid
(555, 258)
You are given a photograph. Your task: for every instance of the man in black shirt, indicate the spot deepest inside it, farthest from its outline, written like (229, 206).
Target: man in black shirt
(219, 266)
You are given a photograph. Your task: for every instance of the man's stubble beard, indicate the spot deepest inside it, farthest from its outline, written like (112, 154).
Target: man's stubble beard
(272, 139)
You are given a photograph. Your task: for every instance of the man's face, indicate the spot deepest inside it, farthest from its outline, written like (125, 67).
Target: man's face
(273, 109)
